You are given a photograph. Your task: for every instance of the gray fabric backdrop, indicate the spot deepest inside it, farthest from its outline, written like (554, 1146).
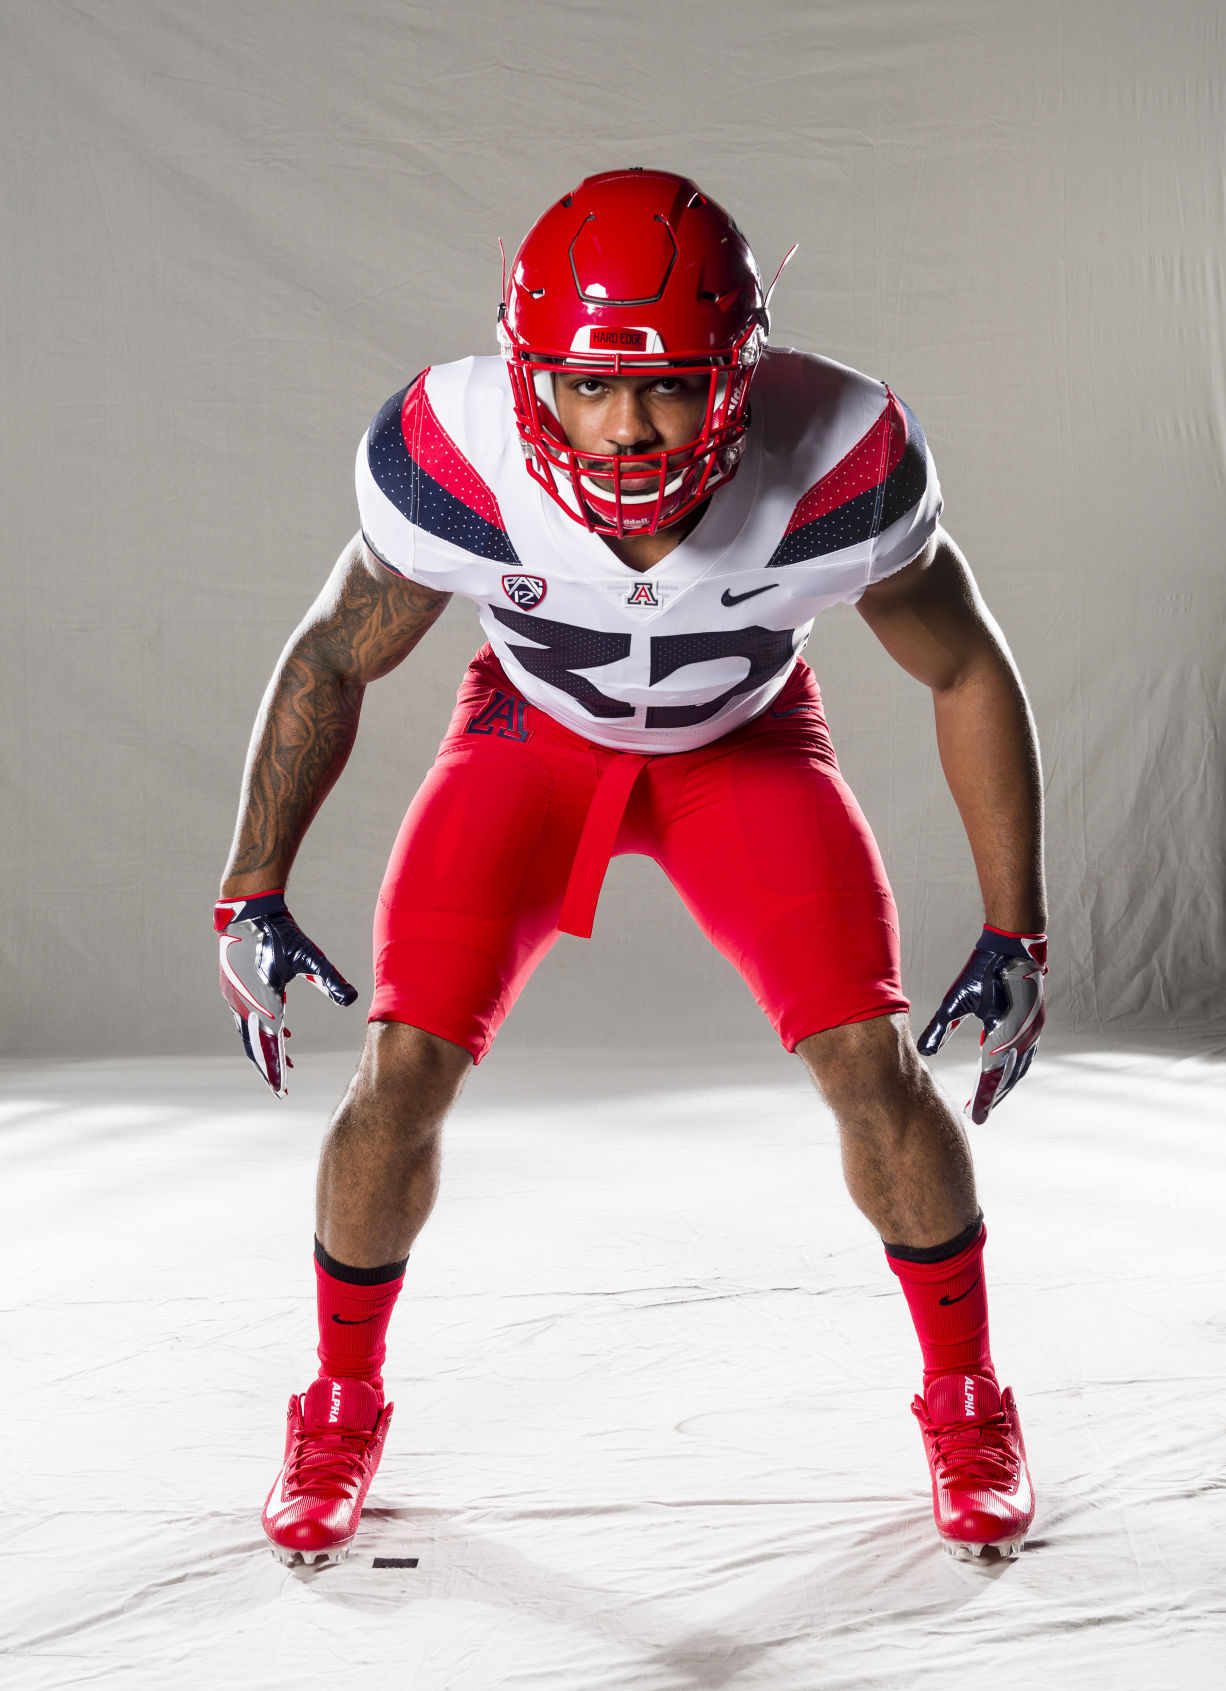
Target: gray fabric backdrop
(231, 230)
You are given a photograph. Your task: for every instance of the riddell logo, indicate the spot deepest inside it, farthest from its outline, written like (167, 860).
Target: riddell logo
(968, 1397)
(623, 340)
(334, 1410)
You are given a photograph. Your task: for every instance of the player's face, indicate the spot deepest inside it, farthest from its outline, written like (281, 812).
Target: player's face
(614, 416)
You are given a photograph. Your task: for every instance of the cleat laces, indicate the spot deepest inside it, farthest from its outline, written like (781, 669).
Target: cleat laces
(327, 1464)
(976, 1450)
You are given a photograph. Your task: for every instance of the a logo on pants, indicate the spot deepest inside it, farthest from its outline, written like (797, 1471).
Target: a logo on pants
(502, 714)
(526, 591)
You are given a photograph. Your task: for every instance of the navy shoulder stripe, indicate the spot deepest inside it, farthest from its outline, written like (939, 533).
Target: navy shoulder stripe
(434, 485)
(835, 525)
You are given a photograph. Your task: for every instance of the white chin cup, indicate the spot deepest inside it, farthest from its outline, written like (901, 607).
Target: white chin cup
(607, 496)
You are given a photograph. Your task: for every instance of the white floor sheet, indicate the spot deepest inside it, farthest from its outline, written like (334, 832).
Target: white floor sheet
(652, 1384)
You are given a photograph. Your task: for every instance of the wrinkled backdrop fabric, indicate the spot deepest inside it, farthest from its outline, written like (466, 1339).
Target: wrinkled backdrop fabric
(230, 232)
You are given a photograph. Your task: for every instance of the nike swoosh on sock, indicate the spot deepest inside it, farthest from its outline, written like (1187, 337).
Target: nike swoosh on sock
(945, 1300)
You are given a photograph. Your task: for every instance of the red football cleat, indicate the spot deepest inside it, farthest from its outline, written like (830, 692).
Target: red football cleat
(333, 1441)
(981, 1490)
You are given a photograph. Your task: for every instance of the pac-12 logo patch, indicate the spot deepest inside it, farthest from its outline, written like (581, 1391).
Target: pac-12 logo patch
(642, 593)
(526, 591)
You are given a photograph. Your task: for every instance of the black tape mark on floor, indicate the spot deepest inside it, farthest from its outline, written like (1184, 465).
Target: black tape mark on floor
(394, 1562)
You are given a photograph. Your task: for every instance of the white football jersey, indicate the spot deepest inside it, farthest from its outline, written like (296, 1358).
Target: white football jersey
(835, 490)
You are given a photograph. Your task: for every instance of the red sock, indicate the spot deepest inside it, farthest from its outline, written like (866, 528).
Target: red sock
(353, 1318)
(949, 1306)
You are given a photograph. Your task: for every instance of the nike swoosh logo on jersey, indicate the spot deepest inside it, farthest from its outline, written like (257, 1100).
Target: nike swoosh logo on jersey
(729, 598)
(961, 1295)
(360, 1322)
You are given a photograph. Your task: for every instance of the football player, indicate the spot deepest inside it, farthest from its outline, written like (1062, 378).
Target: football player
(649, 505)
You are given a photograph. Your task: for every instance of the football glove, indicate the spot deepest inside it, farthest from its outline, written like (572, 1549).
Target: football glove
(1002, 984)
(262, 949)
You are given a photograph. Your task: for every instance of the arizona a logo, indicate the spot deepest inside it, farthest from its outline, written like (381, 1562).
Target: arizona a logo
(642, 593)
(526, 591)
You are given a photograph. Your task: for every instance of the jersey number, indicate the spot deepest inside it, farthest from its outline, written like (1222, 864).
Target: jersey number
(562, 649)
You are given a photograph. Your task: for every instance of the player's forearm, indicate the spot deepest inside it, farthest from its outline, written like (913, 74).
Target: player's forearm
(990, 755)
(301, 742)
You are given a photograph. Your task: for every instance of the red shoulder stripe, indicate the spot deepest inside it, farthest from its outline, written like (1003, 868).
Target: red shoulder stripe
(866, 466)
(434, 451)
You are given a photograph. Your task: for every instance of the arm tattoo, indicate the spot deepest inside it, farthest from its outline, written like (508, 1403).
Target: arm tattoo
(358, 630)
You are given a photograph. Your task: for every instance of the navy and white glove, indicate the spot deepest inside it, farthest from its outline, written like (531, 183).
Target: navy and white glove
(262, 949)
(1002, 984)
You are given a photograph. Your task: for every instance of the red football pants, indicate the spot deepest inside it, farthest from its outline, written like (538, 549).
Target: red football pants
(757, 831)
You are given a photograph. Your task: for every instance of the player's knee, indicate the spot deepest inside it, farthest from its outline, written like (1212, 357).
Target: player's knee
(866, 1070)
(409, 1073)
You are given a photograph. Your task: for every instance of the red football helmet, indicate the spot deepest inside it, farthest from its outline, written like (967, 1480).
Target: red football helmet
(635, 271)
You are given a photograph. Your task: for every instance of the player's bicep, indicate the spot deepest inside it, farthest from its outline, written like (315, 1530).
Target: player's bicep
(368, 618)
(930, 616)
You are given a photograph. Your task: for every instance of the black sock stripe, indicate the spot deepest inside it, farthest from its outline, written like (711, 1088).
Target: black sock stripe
(938, 1253)
(358, 1276)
